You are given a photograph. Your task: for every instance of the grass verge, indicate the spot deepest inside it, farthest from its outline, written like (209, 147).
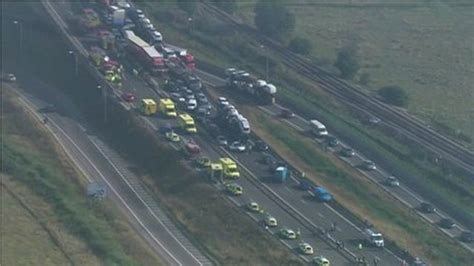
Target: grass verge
(365, 199)
(56, 190)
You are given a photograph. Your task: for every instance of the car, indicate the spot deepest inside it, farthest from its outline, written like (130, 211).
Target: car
(190, 97)
(191, 104)
(321, 261)
(467, 237)
(222, 140)
(222, 99)
(201, 97)
(128, 97)
(204, 162)
(254, 207)
(234, 189)
(9, 77)
(260, 145)
(374, 120)
(447, 223)
(322, 194)
(237, 146)
(192, 148)
(270, 221)
(369, 165)
(177, 98)
(156, 35)
(50, 108)
(392, 181)
(165, 128)
(286, 113)
(332, 141)
(305, 249)
(172, 136)
(418, 262)
(187, 92)
(427, 207)
(287, 234)
(203, 111)
(347, 152)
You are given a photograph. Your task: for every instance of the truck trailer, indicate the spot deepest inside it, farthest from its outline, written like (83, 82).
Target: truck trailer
(145, 53)
(260, 90)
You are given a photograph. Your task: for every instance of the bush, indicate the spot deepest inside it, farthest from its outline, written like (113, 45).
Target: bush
(300, 46)
(394, 95)
(347, 63)
(273, 18)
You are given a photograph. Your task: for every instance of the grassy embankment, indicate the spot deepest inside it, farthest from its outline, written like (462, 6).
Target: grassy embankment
(55, 223)
(205, 216)
(351, 190)
(211, 40)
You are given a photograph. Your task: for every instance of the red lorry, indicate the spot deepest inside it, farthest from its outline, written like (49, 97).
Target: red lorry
(145, 53)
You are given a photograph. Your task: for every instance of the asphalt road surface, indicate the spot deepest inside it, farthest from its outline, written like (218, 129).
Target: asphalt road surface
(321, 215)
(101, 165)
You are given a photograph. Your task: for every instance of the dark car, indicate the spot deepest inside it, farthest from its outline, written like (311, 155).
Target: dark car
(128, 97)
(467, 237)
(332, 141)
(369, 165)
(286, 113)
(447, 223)
(347, 152)
(260, 146)
(427, 207)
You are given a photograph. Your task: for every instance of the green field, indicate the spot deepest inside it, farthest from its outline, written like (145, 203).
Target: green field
(424, 47)
(47, 218)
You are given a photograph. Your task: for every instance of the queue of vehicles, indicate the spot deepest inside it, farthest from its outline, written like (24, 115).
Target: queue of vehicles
(154, 61)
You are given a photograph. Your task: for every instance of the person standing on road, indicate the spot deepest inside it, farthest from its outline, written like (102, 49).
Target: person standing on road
(376, 261)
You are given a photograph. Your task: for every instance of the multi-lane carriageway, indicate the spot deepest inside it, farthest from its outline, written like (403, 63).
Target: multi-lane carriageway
(402, 193)
(293, 208)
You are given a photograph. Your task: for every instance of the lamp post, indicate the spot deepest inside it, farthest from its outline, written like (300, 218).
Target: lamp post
(266, 61)
(76, 68)
(20, 25)
(104, 98)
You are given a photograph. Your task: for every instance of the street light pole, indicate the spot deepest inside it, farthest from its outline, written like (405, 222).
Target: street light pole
(76, 68)
(20, 25)
(104, 98)
(266, 61)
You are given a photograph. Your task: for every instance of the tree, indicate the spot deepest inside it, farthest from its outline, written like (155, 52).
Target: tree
(394, 95)
(273, 18)
(300, 46)
(228, 6)
(189, 6)
(347, 63)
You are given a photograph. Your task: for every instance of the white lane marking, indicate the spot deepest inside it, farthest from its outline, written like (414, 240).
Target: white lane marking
(57, 138)
(141, 199)
(116, 193)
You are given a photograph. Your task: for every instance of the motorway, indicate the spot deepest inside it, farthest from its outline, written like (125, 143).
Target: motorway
(101, 165)
(402, 193)
(293, 208)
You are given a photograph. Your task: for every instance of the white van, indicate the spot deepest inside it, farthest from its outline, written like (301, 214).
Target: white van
(318, 128)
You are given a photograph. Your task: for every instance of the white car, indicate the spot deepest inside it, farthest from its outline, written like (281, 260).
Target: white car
(321, 261)
(306, 249)
(157, 36)
(271, 221)
(191, 104)
(393, 181)
(237, 146)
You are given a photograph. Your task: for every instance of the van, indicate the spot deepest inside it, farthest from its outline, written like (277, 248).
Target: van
(318, 128)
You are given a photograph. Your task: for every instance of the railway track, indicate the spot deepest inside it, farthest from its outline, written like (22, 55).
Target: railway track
(443, 147)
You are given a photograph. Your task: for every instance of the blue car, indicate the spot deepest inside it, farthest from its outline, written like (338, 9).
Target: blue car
(322, 194)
